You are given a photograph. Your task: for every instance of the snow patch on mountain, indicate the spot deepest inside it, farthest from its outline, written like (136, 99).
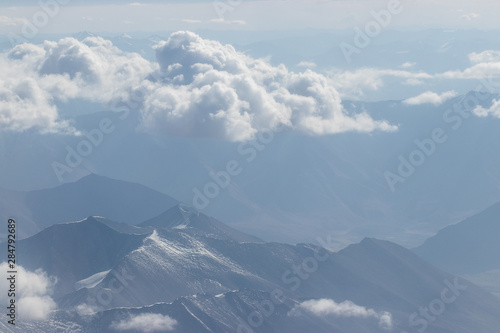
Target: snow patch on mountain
(91, 281)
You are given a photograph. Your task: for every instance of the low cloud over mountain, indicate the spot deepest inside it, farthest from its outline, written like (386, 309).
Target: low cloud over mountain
(198, 88)
(35, 290)
(328, 307)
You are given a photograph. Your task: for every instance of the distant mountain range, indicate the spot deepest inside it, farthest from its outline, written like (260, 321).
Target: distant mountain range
(469, 248)
(191, 221)
(91, 195)
(297, 186)
(113, 244)
(195, 274)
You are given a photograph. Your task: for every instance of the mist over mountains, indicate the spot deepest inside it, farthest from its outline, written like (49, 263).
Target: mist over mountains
(317, 183)
(239, 182)
(468, 248)
(91, 195)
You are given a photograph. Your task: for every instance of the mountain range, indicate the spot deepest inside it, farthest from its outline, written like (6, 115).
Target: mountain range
(469, 248)
(91, 195)
(195, 274)
(291, 189)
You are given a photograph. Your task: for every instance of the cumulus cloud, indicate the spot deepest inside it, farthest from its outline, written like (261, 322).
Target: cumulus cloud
(35, 77)
(210, 89)
(197, 87)
(221, 20)
(430, 97)
(485, 64)
(478, 71)
(93, 69)
(354, 84)
(470, 16)
(493, 110)
(413, 82)
(146, 322)
(190, 21)
(86, 310)
(24, 104)
(307, 64)
(485, 56)
(408, 64)
(33, 296)
(326, 307)
(11, 21)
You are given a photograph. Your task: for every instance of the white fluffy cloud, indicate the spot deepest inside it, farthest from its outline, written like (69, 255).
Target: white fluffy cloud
(485, 56)
(24, 104)
(408, 64)
(197, 87)
(146, 322)
(430, 97)
(33, 296)
(224, 21)
(493, 110)
(485, 64)
(307, 64)
(413, 82)
(326, 307)
(354, 84)
(11, 21)
(478, 71)
(35, 77)
(470, 16)
(210, 89)
(86, 310)
(93, 69)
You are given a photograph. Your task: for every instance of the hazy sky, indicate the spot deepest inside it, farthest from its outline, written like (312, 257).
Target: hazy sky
(120, 16)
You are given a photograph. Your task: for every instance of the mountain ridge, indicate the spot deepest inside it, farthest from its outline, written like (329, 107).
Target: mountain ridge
(169, 266)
